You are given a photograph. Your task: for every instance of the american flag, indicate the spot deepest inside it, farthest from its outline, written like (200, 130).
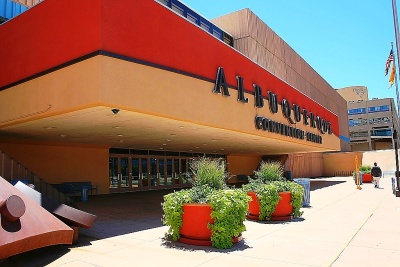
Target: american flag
(389, 61)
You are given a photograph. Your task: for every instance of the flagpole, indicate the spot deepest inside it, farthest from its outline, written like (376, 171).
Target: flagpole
(396, 31)
(395, 136)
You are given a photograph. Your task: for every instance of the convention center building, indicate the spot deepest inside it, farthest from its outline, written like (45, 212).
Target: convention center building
(124, 94)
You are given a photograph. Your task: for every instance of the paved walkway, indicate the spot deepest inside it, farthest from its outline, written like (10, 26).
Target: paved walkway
(343, 227)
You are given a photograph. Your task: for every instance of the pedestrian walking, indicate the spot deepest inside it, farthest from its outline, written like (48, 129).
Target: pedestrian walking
(376, 173)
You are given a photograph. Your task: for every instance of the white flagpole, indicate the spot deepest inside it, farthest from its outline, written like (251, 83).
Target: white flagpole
(396, 31)
(395, 134)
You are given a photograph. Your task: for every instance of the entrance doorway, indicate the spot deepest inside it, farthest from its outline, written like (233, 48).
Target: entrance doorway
(139, 172)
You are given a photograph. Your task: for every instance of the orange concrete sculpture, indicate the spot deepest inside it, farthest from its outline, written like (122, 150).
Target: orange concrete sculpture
(67, 214)
(25, 225)
(72, 217)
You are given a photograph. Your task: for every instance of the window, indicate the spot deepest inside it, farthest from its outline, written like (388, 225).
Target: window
(192, 17)
(195, 18)
(164, 2)
(358, 122)
(177, 9)
(378, 109)
(381, 132)
(205, 26)
(217, 33)
(357, 111)
(379, 120)
(358, 134)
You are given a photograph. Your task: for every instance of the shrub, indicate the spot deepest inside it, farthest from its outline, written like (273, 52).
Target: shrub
(210, 172)
(229, 206)
(269, 171)
(365, 169)
(267, 186)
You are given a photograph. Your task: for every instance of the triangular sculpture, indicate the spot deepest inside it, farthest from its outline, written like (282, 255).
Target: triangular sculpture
(25, 225)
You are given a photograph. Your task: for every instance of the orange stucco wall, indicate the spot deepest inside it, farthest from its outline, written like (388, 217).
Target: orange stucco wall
(63, 163)
(242, 164)
(153, 91)
(106, 81)
(61, 91)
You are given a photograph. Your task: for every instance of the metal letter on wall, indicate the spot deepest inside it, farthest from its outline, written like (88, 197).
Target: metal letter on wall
(297, 113)
(258, 98)
(287, 111)
(241, 97)
(221, 83)
(272, 102)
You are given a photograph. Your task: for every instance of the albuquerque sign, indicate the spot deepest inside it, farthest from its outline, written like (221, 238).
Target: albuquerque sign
(292, 112)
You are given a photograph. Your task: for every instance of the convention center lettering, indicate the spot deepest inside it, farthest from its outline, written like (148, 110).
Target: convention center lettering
(293, 113)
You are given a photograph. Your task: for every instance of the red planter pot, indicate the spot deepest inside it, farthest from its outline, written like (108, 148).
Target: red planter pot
(282, 212)
(366, 178)
(194, 230)
(195, 219)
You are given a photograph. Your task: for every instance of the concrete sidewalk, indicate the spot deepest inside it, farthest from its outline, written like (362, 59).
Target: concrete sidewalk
(343, 227)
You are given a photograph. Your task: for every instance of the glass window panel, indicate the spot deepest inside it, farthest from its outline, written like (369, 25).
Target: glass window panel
(113, 172)
(161, 171)
(357, 111)
(153, 172)
(144, 165)
(378, 109)
(169, 172)
(176, 171)
(135, 172)
(124, 165)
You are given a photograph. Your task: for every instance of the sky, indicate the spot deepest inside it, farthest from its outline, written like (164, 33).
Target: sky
(346, 41)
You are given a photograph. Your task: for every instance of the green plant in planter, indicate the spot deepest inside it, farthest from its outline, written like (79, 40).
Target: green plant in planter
(173, 210)
(268, 197)
(267, 185)
(297, 195)
(210, 172)
(269, 171)
(363, 169)
(229, 206)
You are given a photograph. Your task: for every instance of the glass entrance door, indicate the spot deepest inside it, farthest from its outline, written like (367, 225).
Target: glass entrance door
(125, 179)
(135, 172)
(153, 172)
(144, 172)
(113, 173)
(161, 172)
(119, 174)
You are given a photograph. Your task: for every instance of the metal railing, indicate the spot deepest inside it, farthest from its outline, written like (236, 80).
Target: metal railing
(13, 171)
(342, 173)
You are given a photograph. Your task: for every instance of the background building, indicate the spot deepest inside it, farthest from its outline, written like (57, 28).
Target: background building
(371, 122)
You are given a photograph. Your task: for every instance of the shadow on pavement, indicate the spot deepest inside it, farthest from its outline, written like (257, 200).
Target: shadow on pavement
(123, 213)
(38, 257)
(318, 184)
